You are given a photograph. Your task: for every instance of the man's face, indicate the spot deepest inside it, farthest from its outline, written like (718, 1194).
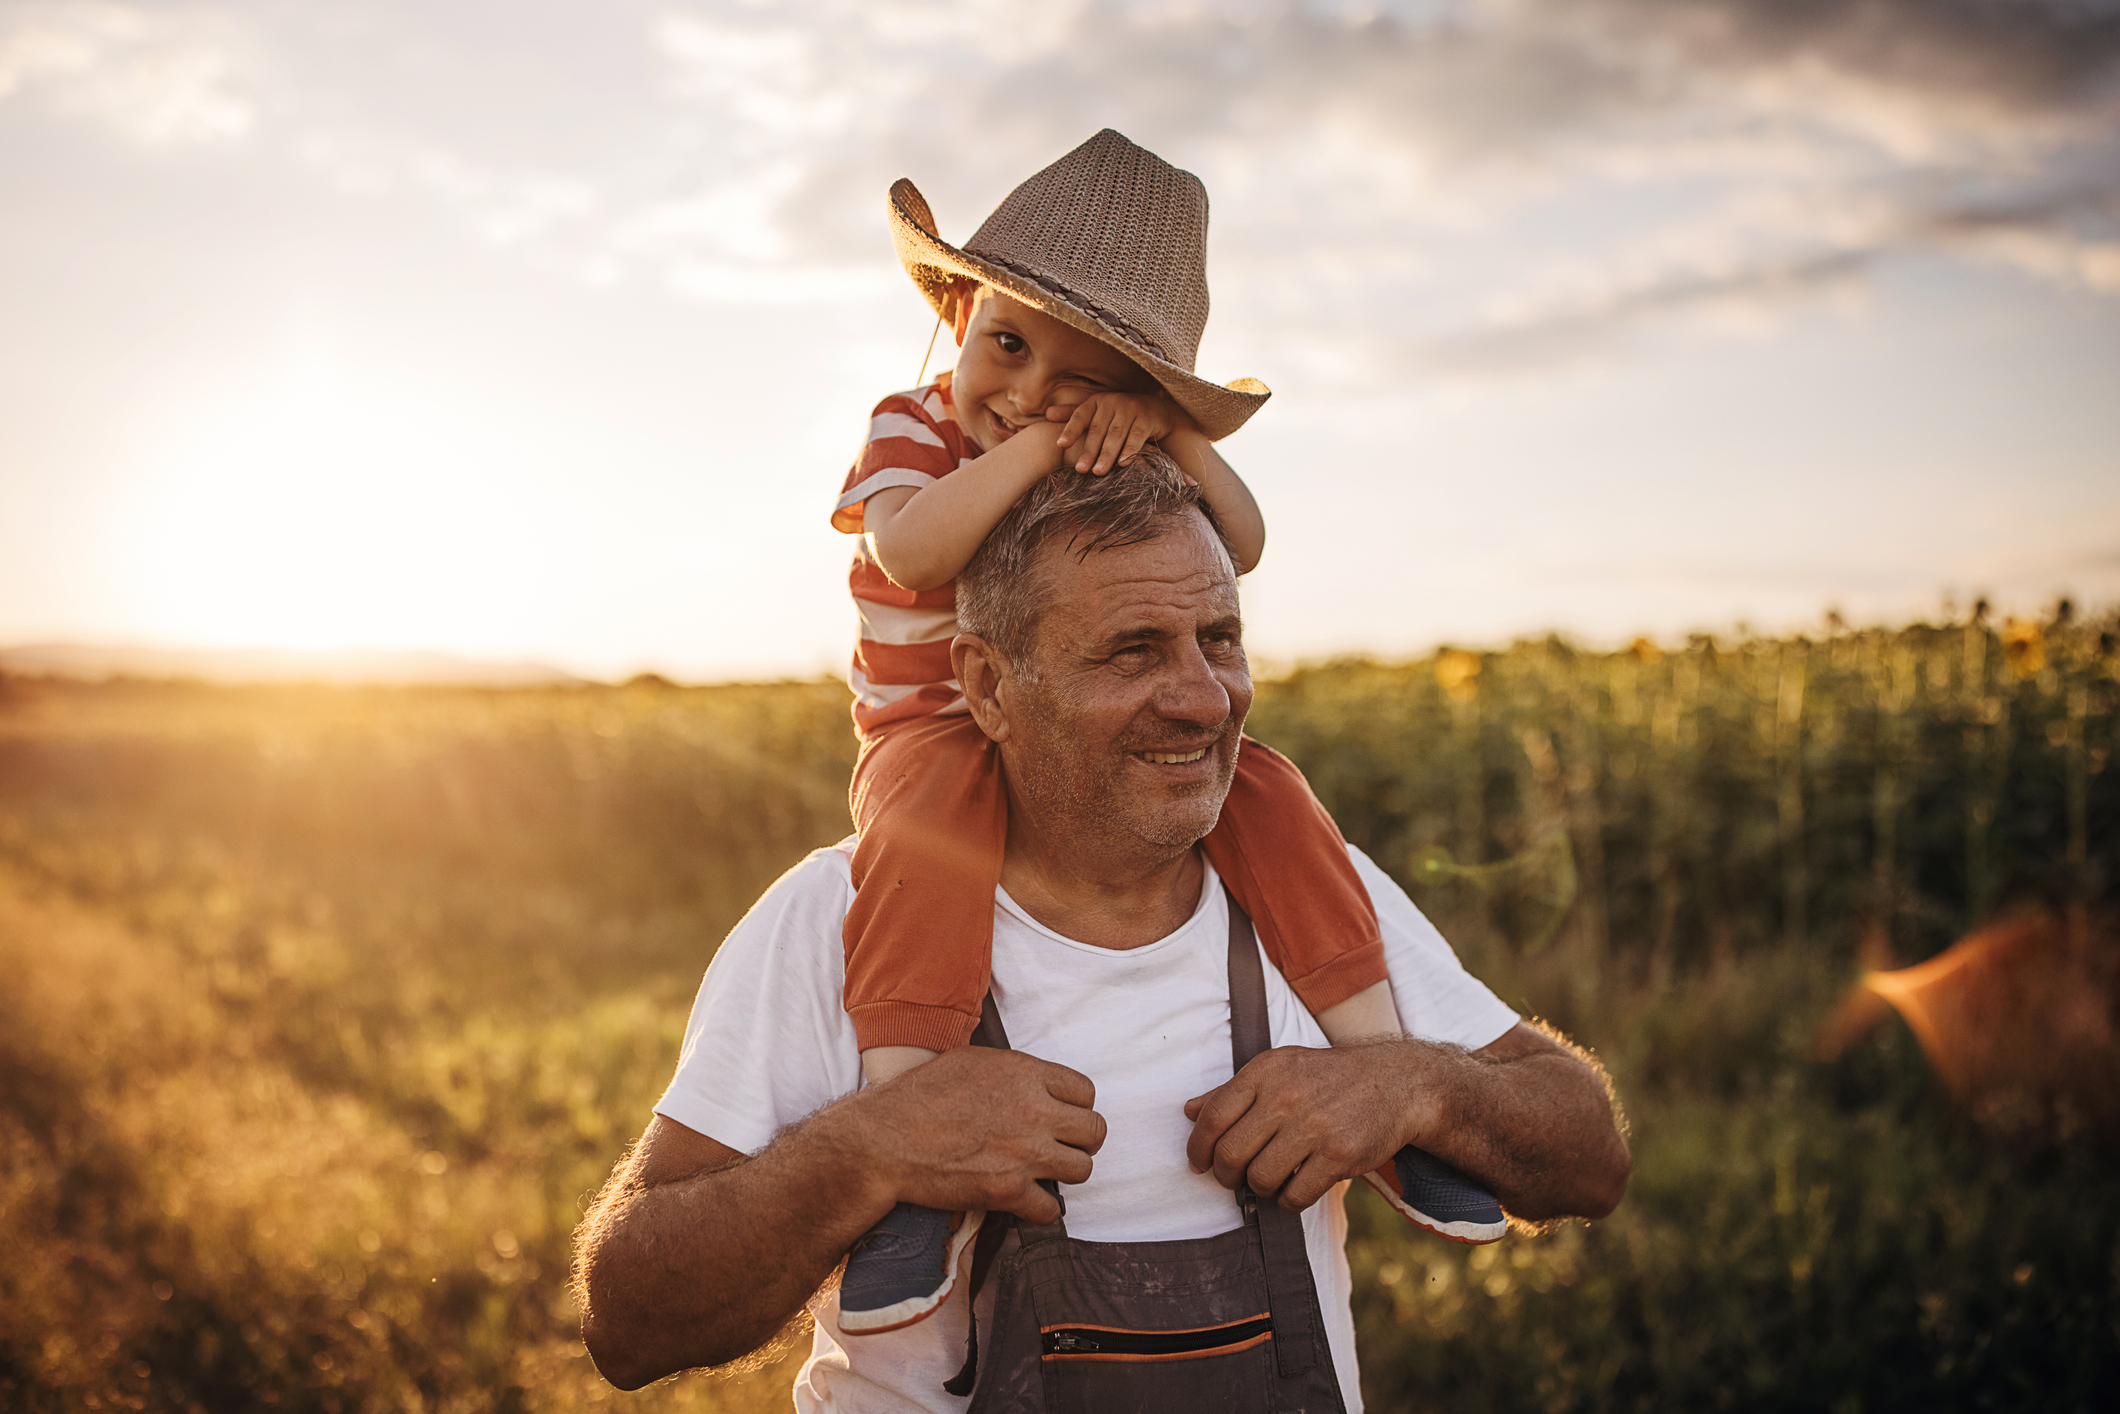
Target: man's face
(1018, 361)
(1125, 734)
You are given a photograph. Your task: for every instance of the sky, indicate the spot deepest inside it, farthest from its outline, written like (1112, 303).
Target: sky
(547, 329)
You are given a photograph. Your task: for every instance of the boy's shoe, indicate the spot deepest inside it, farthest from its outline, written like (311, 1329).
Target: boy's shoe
(1430, 1192)
(903, 1268)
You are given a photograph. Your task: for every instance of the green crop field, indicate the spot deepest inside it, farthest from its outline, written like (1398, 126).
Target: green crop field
(326, 1009)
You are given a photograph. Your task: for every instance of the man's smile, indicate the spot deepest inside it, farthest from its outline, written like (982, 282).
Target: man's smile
(1171, 758)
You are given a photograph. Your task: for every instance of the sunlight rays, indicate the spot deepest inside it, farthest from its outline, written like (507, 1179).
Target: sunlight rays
(326, 508)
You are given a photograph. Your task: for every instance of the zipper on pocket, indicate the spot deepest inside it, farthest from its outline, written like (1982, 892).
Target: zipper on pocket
(1081, 1342)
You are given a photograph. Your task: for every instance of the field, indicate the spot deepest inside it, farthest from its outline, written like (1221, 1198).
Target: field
(326, 1009)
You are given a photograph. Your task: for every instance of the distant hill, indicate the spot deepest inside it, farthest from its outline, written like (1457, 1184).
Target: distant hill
(96, 661)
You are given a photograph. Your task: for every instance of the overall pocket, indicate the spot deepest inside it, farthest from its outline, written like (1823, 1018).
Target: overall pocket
(1111, 1327)
(1229, 1324)
(1085, 1342)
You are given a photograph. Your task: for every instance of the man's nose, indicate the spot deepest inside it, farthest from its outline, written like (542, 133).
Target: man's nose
(1191, 690)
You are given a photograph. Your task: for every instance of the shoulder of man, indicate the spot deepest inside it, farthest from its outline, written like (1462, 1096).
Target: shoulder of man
(1437, 998)
(811, 898)
(768, 1040)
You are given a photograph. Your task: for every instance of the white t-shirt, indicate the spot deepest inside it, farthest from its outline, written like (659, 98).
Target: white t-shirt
(769, 1042)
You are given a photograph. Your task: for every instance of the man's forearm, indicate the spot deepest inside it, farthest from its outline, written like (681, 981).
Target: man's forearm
(1533, 1121)
(694, 1255)
(703, 1270)
(1528, 1115)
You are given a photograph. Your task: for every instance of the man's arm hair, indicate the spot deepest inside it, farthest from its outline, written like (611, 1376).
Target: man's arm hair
(693, 1255)
(676, 1197)
(1552, 1139)
(1529, 1115)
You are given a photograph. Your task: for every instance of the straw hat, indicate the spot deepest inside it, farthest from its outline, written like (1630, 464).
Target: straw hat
(1112, 240)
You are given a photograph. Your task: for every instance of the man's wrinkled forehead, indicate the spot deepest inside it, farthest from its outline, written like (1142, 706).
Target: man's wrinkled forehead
(1181, 574)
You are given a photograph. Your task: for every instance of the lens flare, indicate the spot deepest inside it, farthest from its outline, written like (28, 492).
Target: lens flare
(2016, 1019)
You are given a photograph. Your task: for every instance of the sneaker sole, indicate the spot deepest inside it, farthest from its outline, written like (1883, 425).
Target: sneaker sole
(1470, 1233)
(915, 1309)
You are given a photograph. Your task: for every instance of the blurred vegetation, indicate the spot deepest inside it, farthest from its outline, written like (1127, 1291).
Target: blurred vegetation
(326, 1008)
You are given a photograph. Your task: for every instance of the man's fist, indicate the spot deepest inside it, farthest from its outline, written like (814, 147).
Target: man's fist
(977, 1128)
(1295, 1121)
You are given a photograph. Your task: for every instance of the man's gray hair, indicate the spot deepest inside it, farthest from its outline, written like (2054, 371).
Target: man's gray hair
(1000, 597)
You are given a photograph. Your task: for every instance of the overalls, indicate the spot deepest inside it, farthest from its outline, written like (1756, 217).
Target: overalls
(1228, 1323)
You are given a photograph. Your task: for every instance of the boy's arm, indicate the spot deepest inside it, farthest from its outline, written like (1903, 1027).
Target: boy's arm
(1107, 429)
(1225, 491)
(923, 537)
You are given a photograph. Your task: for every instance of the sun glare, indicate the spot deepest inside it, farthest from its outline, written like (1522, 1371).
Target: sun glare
(321, 509)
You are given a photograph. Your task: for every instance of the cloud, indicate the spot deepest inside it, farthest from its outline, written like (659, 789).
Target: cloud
(156, 77)
(1746, 268)
(1752, 299)
(2046, 238)
(1456, 162)
(2008, 58)
(1368, 150)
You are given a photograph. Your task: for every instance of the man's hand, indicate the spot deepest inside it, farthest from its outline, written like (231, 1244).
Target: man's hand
(1111, 427)
(977, 1128)
(1296, 1121)
(1527, 1115)
(695, 1255)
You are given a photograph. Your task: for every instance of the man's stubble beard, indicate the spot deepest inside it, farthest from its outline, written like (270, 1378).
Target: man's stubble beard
(1090, 804)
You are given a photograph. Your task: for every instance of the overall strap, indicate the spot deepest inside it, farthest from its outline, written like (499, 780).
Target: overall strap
(991, 1034)
(1290, 1292)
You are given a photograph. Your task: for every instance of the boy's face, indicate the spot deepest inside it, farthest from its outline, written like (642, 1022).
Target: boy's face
(1018, 361)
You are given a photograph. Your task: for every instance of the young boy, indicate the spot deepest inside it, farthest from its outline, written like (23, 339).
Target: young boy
(1078, 308)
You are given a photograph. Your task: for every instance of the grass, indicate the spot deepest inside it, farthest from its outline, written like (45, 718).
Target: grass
(328, 1007)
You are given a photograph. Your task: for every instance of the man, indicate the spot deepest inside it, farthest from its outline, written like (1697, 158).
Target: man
(1102, 653)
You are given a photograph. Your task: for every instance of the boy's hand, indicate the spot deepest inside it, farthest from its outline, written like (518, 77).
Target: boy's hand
(1111, 427)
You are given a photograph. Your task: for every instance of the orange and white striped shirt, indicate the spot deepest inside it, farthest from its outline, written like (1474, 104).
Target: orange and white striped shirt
(902, 664)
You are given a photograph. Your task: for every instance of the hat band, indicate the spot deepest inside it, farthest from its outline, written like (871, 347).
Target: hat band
(1082, 305)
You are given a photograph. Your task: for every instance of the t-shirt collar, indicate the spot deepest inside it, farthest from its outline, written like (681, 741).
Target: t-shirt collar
(1210, 889)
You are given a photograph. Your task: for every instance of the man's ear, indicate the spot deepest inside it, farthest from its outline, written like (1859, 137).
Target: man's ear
(982, 673)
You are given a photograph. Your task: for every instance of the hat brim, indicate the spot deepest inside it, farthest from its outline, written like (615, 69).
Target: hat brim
(935, 264)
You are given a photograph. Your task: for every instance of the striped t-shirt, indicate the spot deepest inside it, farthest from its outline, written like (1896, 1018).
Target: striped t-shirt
(902, 664)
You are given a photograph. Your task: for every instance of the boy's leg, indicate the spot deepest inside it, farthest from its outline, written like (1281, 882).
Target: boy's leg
(928, 802)
(1286, 862)
(880, 1064)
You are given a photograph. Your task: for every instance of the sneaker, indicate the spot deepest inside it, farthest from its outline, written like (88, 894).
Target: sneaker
(903, 1268)
(1428, 1191)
